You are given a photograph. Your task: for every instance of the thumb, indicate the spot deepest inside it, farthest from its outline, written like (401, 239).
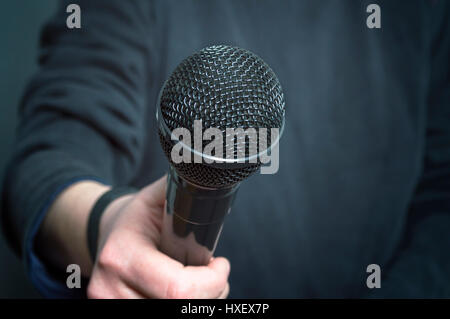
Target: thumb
(154, 195)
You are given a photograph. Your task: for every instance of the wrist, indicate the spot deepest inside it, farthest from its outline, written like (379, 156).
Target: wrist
(111, 203)
(110, 216)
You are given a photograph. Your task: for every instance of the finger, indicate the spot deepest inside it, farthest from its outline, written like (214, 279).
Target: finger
(97, 289)
(209, 281)
(160, 276)
(120, 290)
(104, 286)
(225, 292)
(127, 292)
(154, 194)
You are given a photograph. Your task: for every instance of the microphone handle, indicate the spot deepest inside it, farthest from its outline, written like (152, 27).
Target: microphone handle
(193, 219)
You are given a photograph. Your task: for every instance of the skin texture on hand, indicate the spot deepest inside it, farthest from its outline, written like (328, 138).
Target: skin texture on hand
(129, 264)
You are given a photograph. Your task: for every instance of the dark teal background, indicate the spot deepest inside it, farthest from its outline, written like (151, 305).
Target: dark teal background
(20, 22)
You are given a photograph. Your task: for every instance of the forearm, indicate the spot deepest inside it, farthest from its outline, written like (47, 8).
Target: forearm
(74, 123)
(61, 239)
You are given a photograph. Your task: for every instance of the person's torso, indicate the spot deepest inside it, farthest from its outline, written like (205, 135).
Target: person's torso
(351, 151)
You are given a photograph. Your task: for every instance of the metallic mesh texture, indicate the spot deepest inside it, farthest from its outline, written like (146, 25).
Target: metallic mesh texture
(225, 87)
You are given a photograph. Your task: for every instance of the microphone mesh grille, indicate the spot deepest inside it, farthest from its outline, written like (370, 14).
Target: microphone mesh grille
(225, 87)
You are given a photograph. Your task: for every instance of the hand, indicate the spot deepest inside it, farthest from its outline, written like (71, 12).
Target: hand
(129, 264)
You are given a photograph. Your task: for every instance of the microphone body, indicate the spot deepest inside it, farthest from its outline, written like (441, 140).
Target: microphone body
(193, 219)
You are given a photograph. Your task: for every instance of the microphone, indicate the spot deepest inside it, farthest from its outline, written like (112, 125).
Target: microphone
(225, 88)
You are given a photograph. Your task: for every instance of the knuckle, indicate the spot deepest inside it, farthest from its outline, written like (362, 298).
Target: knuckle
(172, 291)
(178, 290)
(109, 258)
(219, 281)
(222, 283)
(93, 291)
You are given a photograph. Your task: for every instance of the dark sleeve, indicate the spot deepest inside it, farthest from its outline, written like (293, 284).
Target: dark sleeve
(421, 269)
(82, 114)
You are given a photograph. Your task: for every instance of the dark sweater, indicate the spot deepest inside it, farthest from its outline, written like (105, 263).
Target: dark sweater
(364, 160)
